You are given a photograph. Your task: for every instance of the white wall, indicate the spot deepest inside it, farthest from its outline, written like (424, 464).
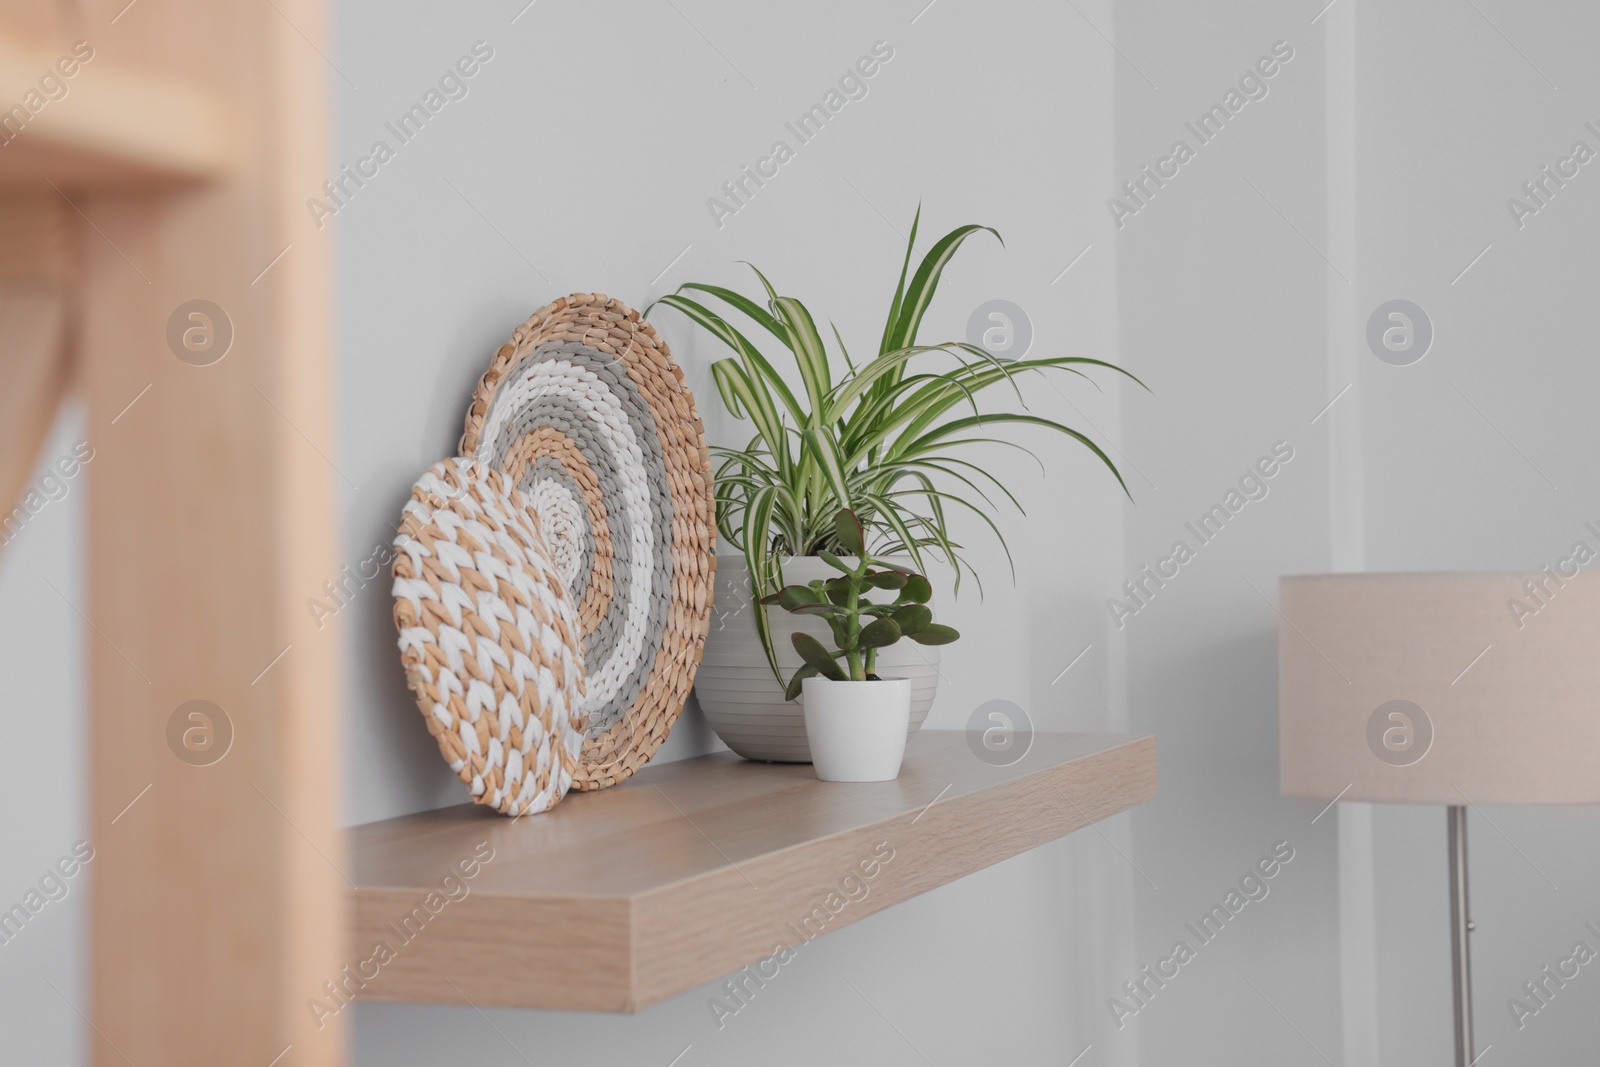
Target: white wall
(590, 144)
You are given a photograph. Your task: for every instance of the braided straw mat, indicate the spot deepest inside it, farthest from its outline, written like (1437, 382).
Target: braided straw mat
(489, 638)
(585, 410)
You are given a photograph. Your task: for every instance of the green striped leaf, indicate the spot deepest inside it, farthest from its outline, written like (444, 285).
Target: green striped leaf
(821, 446)
(809, 353)
(749, 307)
(891, 325)
(919, 294)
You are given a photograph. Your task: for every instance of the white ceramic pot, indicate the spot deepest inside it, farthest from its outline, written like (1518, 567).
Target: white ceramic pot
(743, 702)
(857, 730)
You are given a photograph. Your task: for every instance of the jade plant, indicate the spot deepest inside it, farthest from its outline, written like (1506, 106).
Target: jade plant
(860, 626)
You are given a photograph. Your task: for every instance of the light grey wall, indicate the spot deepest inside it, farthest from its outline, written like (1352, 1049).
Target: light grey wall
(1253, 304)
(1481, 456)
(1222, 297)
(582, 159)
(43, 788)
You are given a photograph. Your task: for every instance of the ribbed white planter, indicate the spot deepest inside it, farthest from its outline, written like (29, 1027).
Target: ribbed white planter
(743, 702)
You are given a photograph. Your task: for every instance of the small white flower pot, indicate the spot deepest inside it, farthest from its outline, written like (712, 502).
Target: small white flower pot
(741, 699)
(857, 730)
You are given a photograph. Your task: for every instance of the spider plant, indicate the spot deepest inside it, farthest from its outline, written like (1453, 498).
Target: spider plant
(883, 438)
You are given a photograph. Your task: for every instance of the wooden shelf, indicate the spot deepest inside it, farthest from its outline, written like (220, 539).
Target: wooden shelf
(115, 128)
(619, 899)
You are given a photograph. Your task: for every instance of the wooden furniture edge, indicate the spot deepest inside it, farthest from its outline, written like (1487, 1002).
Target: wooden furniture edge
(119, 123)
(217, 905)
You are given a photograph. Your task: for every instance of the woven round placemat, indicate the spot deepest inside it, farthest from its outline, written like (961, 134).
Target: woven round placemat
(489, 638)
(585, 410)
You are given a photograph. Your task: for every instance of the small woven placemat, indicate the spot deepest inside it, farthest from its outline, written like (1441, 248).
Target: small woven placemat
(586, 412)
(489, 638)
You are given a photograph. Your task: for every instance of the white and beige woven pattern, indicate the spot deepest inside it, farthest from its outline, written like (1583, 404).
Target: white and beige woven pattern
(585, 411)
(489, 638)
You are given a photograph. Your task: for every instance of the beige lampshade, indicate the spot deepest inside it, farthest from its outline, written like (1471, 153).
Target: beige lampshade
(1441, 688)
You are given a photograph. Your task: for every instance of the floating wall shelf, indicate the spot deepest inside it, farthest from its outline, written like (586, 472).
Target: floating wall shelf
(622, 898)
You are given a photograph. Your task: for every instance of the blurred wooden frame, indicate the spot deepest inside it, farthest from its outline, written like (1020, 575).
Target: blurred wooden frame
(175, 168)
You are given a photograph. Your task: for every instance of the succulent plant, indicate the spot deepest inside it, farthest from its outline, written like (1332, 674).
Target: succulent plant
(860, 626)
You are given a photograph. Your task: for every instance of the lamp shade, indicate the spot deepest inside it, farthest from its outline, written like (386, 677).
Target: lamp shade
(1441, 688)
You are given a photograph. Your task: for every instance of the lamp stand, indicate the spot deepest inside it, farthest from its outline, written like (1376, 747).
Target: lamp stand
(1460, 928)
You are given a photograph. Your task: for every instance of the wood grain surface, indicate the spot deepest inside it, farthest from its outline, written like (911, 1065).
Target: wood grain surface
(216, 888)
(619, 899)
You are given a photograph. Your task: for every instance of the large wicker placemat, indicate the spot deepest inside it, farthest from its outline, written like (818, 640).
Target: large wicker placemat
(489, 638)
(585, 410)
